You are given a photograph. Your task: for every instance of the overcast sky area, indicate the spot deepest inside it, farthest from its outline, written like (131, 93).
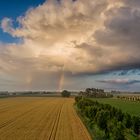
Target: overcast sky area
(69, 44)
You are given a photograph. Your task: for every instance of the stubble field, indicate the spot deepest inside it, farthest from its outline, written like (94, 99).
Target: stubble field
(38, 118)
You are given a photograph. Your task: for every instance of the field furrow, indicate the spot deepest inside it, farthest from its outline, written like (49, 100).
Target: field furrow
(55, 125)
(36, 118)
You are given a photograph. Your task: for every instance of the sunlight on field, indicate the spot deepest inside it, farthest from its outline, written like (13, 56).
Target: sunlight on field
(36, 118)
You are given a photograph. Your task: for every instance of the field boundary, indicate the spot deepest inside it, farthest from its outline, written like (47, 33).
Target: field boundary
(84, 122)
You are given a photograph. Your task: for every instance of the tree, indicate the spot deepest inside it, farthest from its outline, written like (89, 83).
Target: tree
(127, 120)
(136, 125)
(65, 93)
(90, 112)
(102, 117)
(118, 132)
(119, 115)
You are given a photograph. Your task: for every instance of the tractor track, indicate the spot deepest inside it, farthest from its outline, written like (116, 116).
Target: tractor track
(55, 125)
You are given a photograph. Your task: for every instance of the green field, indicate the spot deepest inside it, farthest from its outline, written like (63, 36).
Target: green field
(130, 107)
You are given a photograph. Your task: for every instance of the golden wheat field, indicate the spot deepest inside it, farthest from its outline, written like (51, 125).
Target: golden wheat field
(38, 118)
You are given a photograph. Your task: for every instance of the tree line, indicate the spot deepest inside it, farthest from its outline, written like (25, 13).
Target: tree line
(113, 123)
(96, 93)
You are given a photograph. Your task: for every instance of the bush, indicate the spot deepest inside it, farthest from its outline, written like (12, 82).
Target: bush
(78, 98)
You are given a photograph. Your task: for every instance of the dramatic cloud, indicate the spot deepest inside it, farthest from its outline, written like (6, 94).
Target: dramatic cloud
(51, 29)
(71, 37)
(122, 31)
(120, 81)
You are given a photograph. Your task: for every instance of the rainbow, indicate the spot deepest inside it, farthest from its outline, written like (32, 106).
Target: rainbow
(61, 81)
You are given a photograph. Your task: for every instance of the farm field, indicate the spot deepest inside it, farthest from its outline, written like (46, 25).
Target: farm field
(40, 118)
(130, 107)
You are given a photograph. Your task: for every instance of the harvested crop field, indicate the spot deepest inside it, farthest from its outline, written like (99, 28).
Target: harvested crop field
(38, 118)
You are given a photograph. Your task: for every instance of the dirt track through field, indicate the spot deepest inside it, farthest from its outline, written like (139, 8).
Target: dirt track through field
(37, 118)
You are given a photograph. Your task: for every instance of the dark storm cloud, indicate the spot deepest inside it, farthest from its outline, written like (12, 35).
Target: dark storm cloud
(135, 3)
(120, 81)
(128, 72)
(122, 32)
(123, 28)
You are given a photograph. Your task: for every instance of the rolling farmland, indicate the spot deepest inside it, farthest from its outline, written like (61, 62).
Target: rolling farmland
(37, 118)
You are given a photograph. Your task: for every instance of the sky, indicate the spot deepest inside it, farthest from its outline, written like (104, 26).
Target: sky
(69, 44)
